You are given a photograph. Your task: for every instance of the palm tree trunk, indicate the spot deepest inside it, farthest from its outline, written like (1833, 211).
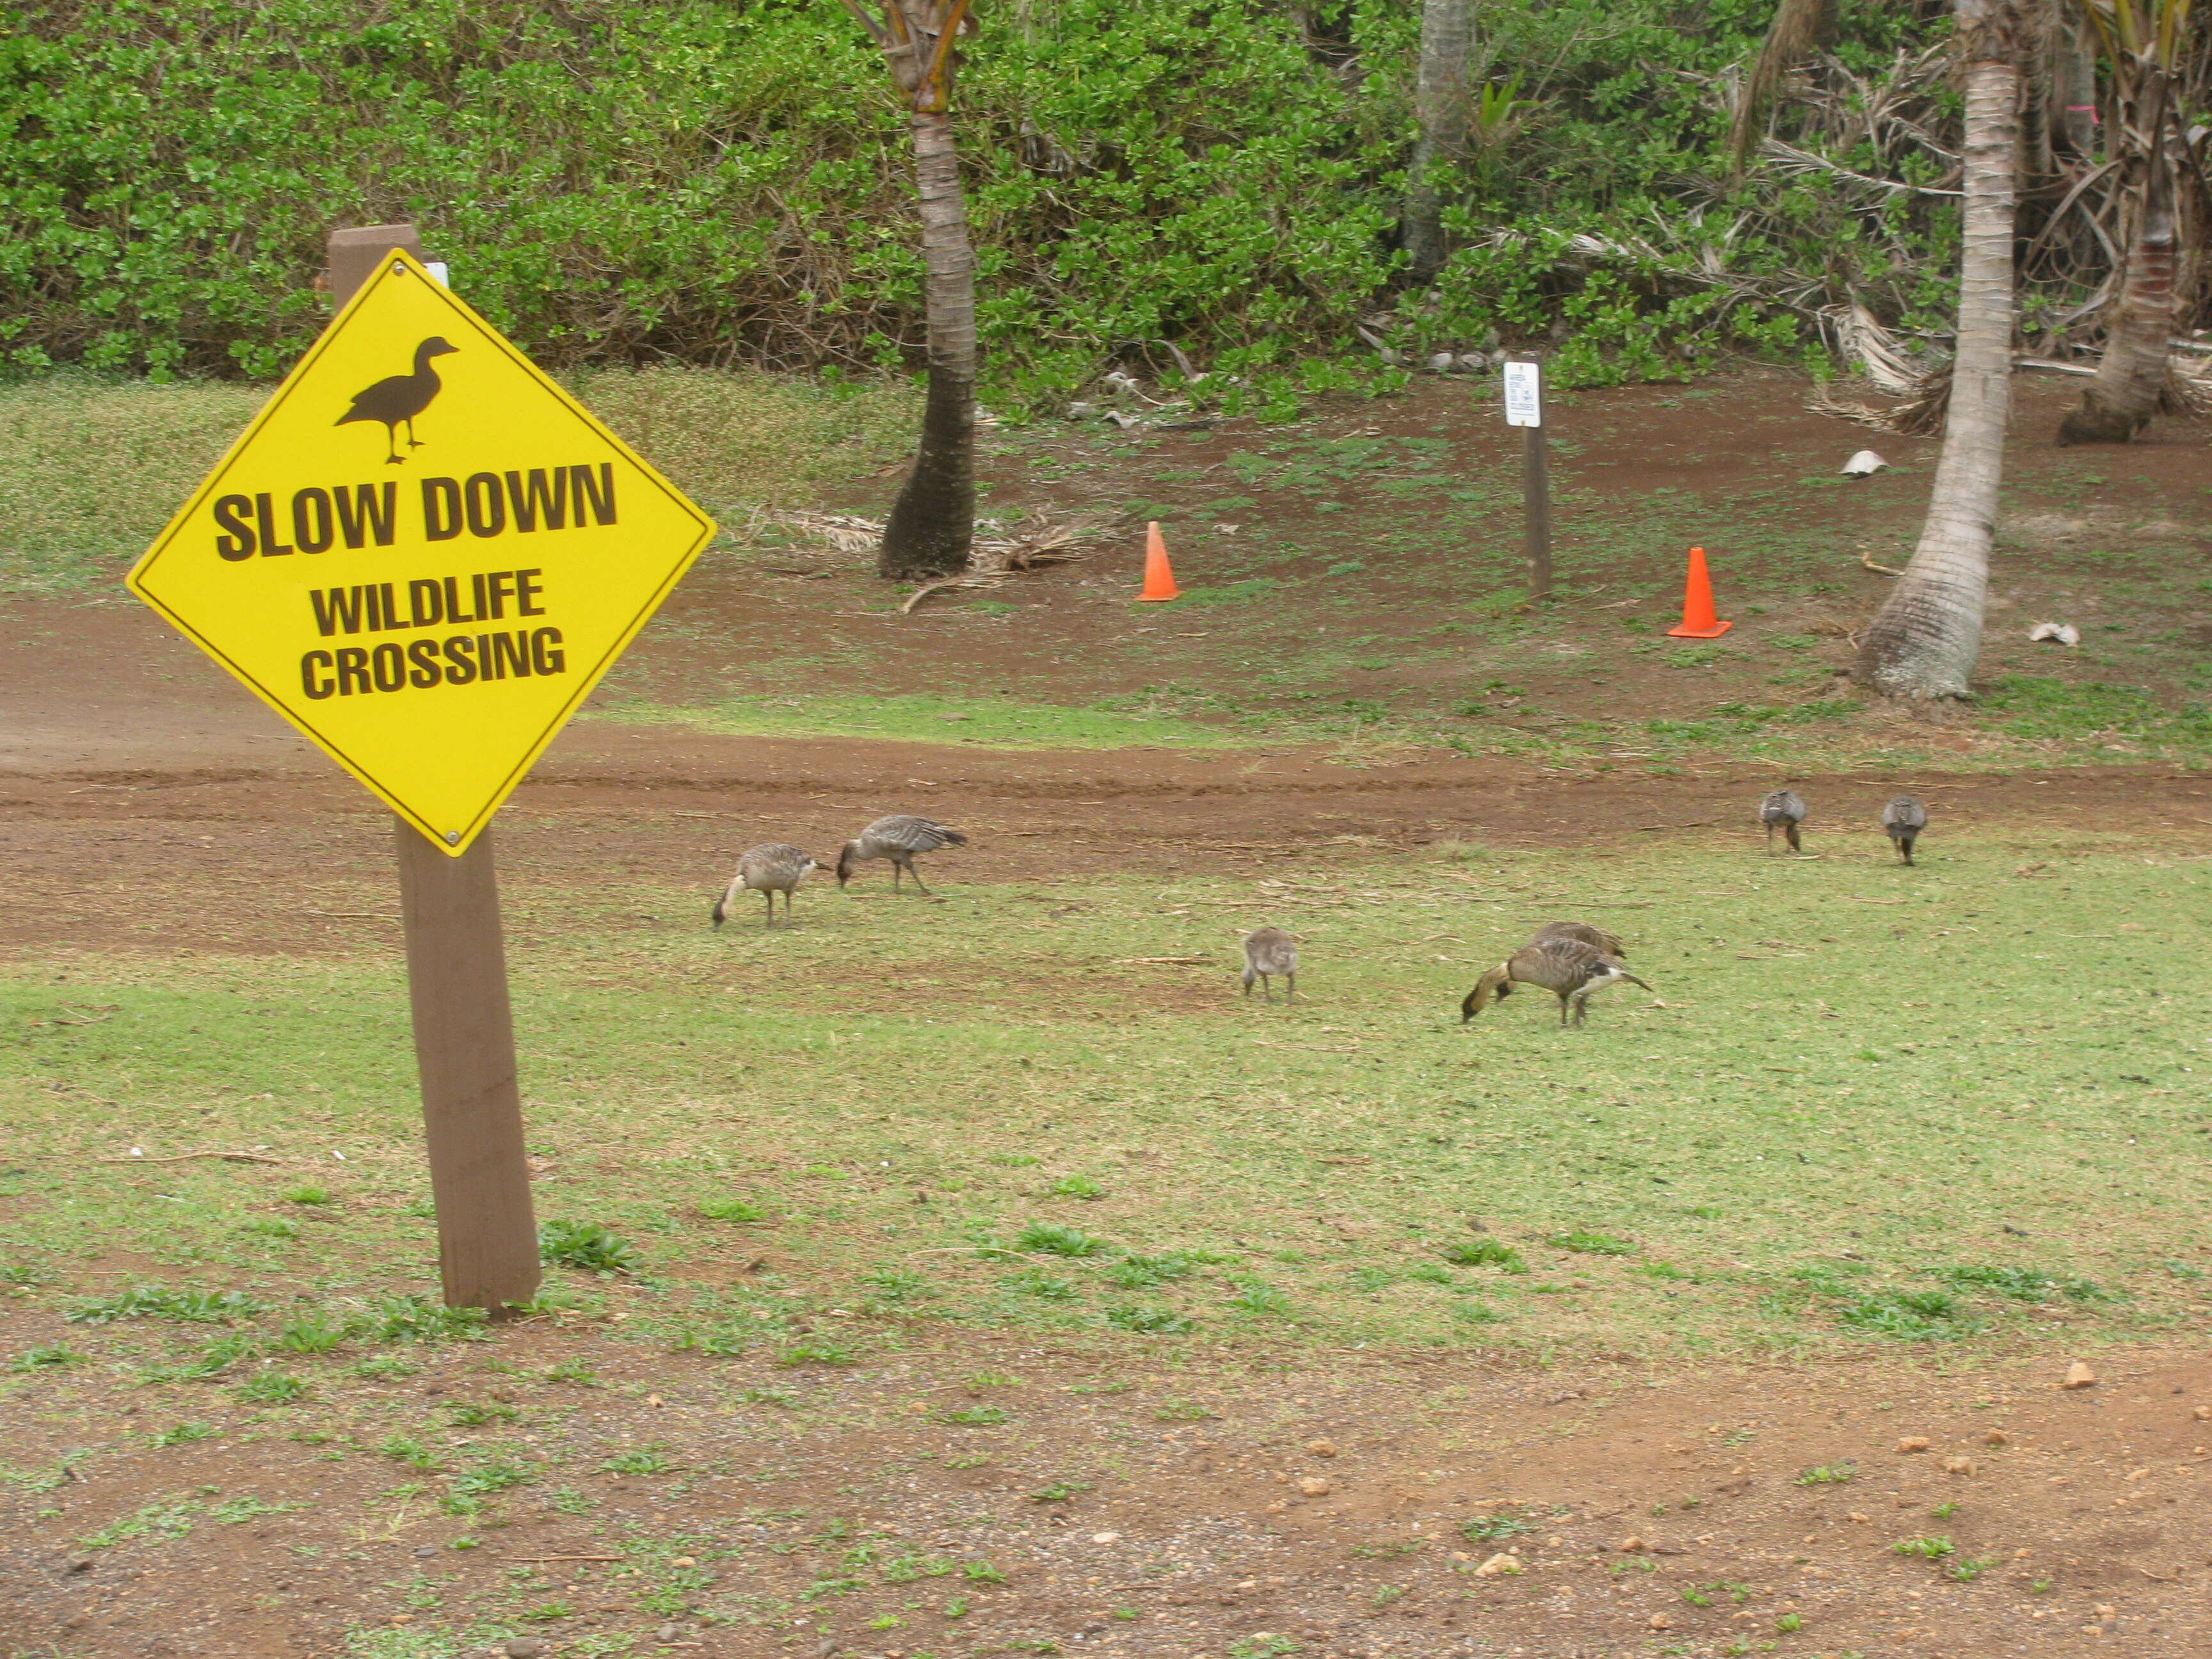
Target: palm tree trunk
(2131, 375)
(932, 527)
(1927, 637)
(1440, 105)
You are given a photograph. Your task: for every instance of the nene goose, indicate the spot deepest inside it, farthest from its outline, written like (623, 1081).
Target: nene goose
(1784, 809)
(1570, 968)
(897, 838)
(1269, 951)
(1904, 819)
(776, 867)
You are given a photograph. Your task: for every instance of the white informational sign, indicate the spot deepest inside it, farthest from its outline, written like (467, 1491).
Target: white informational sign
(1523, 396)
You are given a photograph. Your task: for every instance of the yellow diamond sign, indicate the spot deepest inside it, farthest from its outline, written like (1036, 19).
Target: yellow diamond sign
(422, 553)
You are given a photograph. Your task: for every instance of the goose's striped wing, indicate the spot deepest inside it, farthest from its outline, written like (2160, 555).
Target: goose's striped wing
(772, 858)
(910, 834)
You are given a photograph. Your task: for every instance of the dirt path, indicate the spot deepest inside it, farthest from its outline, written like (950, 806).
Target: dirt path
(1324, 1508)
(127, 850)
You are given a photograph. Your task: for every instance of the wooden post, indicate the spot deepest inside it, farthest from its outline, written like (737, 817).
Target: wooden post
(465, 1055)
(1524, 408)
(457, 986)
(1536, 508)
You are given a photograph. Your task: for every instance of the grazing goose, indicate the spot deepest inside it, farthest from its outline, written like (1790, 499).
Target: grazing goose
(897, 838)
(1570, 968)
(1784, 809)
(1269, 951)
(1903, 820)
(774, 867)
(1584, 932)
(396, 402)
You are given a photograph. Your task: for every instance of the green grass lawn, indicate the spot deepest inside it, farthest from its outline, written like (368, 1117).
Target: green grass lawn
(1946, 1105)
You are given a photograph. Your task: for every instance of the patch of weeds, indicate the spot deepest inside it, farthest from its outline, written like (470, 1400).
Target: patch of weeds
(956, 1607)
(646, 1460)
(1828, 1474)
(2184, 1270)
(720, 1342)
(731, 1209)
(270, 1389)
(909, 1569)
(1181, 1411)
(48, 1357)
(245, 1507)
(1790, 1622)
(1589, 1244)
(546, 1612)
(384, 1368)
(1386, 1593)
(816, 1353)
(577, 1373)
(1256, 1295)
(586, 1245)
(470, 1415)
(1046, 1288)
(158, 1521)
(1148, 1322)
(183, 1434)
(418, 1319)
(1050, 1238)
(1928, 1549)
(2021, 1284)
(306, 1193)
(1663, 1270)
(1943, 1511)
(1496, 1526)
(897, 1287)
(780, 1397)
(1268, 1646)
(1077, 1186)
(1057, 1491)
(165, 1301)
(979, 1380)
(978, 1416)
(493, 1474)
(1484, 1253)
(1141, 1273)
(270, 1226)
(1909, 1316)
(310, 1333)
(405, 1448)
(1477, 1312)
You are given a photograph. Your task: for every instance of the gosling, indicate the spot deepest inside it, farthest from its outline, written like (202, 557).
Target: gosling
(1784, 809)
(773, 868)
(1570, 968)
(897, 838)
(1269, 951)
(1903, 820)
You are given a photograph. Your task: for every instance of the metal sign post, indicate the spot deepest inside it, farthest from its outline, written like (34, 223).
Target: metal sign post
(430, 617)
(1524, 408)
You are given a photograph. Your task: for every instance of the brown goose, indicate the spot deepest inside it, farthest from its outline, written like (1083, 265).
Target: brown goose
(897, 838)
(1782, 809)
(398, 400)
(1269, 951)
(1903, 820)
(773, 868)
(1570, 968)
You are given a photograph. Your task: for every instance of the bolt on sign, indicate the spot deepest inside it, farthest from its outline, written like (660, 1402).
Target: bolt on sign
(422, 553)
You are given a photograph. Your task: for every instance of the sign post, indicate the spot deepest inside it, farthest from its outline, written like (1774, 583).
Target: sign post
(1524, 408)
(430, 617)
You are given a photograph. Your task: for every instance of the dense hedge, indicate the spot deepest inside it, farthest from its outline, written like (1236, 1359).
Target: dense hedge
(617, 180)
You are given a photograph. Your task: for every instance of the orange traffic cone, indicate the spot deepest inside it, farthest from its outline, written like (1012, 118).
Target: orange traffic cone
(1698, 622)
(1159, 578)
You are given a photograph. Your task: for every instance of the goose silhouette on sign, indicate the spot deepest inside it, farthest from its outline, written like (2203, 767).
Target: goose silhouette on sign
(400, 398)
